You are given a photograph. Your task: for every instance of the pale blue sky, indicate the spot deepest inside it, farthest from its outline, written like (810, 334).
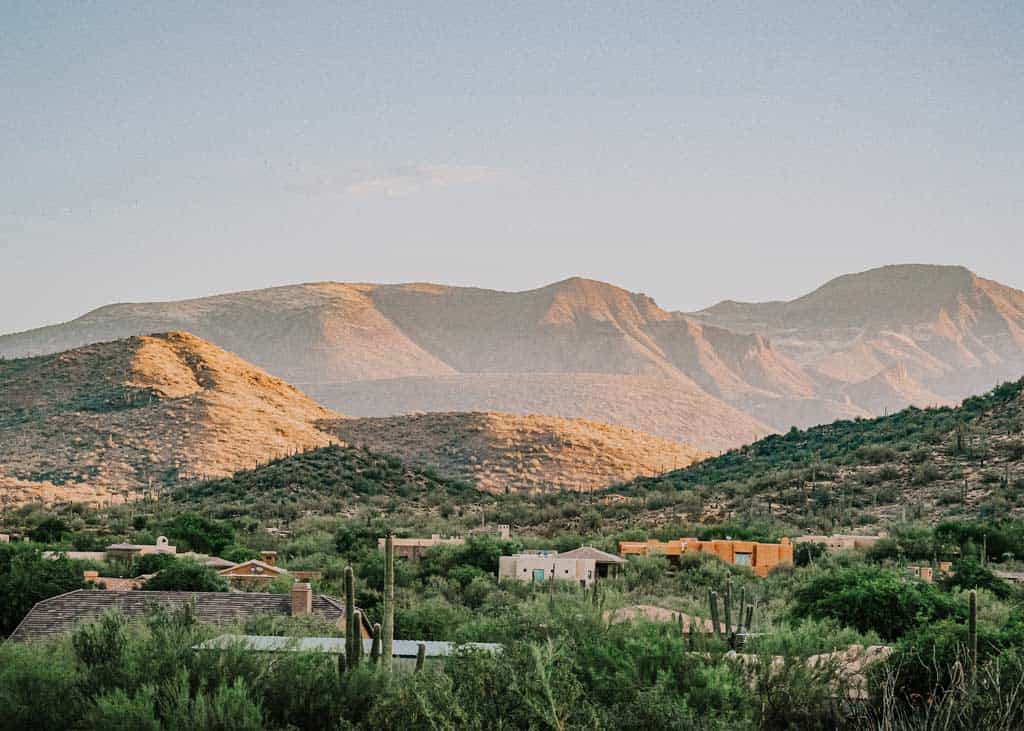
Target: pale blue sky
(692, 151)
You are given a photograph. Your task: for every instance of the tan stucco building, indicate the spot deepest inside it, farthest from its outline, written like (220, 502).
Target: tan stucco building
(583, 566)
(759, 557)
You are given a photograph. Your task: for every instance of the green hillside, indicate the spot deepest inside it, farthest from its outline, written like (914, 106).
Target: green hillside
(322, 480)
(967, 459)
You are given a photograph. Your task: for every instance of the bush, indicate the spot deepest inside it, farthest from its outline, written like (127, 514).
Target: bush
(925, 474)
(200, 533)
(37, 688)
(184, 574)
(969, 573)
(872, 599)
(119, 710)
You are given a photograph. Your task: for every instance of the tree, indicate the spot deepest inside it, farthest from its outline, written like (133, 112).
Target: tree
(201, 533)
(969, 573)
(186, 575)
(870, 598)
(50, 530)
(26, 578)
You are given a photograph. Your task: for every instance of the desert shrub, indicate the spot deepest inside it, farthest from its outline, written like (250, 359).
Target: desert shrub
(423, 700)
(874, 454)
(805, 553)
(871, 599)
(100, 648)
(925, 474)
(186, 575)
(644, 571)
(226, 707)
(38, 688)
(151, 563)
(50, 530)
(117, 709)
(1013, 449)
(969, 573)
(810, 637)
(429, 619)
(200, 533)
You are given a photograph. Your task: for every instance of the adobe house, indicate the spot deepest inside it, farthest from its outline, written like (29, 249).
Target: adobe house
(128, 551)
(93, 580)
(759, 557)
(58, 615)
(583, 566)
(927, 573)
(262, 570)
(413, 549)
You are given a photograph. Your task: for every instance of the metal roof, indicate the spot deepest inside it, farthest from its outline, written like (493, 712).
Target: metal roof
(336, 645)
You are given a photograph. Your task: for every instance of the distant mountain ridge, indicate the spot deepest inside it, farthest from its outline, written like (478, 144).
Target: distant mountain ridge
(952, 332)
(939, 333)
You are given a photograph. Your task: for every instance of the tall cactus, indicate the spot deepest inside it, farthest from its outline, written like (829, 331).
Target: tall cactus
(749, 624)
(727, 607)
(375, 647)
(351, 629)
(358, 634)
(740, 624)
(388, 630)
(421, 656)
(972, 630)
(713, 601)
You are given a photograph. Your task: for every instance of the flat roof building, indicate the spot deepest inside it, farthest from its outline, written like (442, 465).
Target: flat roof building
(759, 557)
(583, 565)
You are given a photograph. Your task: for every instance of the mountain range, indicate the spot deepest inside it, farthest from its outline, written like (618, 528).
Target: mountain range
(860, 345)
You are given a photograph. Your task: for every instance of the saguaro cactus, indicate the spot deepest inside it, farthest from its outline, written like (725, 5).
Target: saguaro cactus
(727, 607)
(375, 647)
(351, 628)
(388, 630)
(972, 630)
(713, 601)
(421, 656)
(358, 635)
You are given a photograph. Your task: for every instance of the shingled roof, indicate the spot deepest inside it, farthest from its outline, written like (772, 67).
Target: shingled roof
(591, 552)
(55, 616)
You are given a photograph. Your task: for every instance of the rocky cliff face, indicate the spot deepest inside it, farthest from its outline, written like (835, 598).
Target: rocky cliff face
(949, 330)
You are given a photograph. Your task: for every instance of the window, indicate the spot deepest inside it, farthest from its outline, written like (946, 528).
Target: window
(742, 559)
(538, 574)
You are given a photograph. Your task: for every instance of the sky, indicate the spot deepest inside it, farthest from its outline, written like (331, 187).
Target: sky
(692, 151)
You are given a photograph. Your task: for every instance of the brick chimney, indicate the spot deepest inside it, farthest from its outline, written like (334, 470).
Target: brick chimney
(302, 599)
(269, 557)
(91, 577)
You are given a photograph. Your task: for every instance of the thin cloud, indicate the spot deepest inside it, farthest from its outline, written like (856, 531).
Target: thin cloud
(410, 179)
